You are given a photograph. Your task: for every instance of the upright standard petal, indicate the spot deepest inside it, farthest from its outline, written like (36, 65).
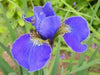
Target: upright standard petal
(31, 54)
(41, 13)
(79, 32)
(48, 10)
(49, 27)
(39, 16)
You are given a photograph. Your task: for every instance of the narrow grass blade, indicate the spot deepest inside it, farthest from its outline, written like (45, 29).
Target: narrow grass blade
(94, 54)
(25, 72)
(94, 73)
(56, 61)
(62, 71)
(81, 60)
(4, 66)
(32, 73)
(39, 72)
(12, 33)
(25, 12)
(90, 60)
(94, 12)
(12, 73)
(80, 63)
(6, 49)
(46, 72)
(85, 66)
(36, 73)
(70, 63)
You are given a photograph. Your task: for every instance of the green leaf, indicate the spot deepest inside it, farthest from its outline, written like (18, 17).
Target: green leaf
(46, 72)
(10, 13)
(81, 60)
(94, 12)
(70, 63)
(93, 55)
(56, 61)
(12, 33)
(71, 60)
(85, 66)
(6, 49)
(25, 12)
(25, 72)
(21, 22)
(12, 73)
(4, 66)
(62, 71)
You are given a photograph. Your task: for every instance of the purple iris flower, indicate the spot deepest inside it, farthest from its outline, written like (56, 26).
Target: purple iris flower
(77, 32)
(46, 22)
(31, 53)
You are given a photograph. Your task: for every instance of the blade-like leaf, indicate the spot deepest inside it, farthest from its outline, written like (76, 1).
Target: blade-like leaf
(6, 49)
(56, 61)
(94, 12)
(85, 66)
(70, 63)
(4, 66)
(25, 12)
(12, 33)
(25, 72)
(62, 71)
(12, 73)
(90, 60)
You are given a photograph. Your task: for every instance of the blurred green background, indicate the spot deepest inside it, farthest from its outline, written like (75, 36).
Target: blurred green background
(12, 26)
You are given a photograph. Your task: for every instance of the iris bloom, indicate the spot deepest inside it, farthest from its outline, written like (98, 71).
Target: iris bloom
(77, 31)
(33, 52)
(45, 21)
(30, 51)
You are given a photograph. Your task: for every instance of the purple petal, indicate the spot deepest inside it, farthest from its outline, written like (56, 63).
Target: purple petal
(41, 13)
(39, 16)
(20, 50)
(73, 41)
(79, 32)
(38, 57)
(30, 54)
(49, 26)
(48, 10)
(29, 19)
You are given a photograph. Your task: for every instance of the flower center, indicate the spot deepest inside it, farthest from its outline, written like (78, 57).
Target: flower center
(37, 42)
(68, 29)
(63, 29)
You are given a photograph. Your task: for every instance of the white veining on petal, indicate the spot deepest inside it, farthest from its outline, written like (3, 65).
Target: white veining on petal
(68, 28)
(36, 42)
(41, 13)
